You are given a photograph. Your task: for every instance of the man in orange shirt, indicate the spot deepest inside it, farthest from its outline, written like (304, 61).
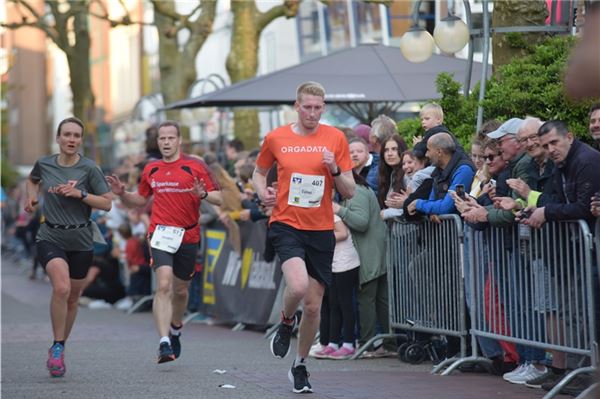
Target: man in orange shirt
(312, 159)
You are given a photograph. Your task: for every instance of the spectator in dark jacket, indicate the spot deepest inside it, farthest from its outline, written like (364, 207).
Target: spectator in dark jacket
(574, 180)
(452, 168)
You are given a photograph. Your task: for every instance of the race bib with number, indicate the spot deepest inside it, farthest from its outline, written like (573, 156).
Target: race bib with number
(167, 238)
(306, 191)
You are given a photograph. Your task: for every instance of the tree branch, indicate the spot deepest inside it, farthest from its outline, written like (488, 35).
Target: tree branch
(201, 29)
(288, 9)
(38, 23)
(160, 6)
(126, 20)
(60, 25)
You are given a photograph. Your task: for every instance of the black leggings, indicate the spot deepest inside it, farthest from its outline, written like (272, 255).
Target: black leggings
(341, 314)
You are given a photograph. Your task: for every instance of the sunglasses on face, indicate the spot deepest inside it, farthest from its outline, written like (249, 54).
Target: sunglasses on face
(491, 157)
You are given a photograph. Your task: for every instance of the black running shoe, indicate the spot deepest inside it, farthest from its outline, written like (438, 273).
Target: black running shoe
(165, 353)
(280, 343)
(299, 377)
(175, 344)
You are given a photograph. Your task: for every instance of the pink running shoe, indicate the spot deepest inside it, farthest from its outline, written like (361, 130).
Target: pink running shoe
(324, 353)
(342, 353)
(56, 361)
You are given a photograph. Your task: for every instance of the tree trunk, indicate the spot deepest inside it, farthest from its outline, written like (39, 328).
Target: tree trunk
(516, 13)
(178, 61)
(242, 61)
(242, 64)
(78, 58)
(172, 66)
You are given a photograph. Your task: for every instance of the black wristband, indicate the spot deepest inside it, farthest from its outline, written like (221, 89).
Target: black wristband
(339, 172)
(205, 195)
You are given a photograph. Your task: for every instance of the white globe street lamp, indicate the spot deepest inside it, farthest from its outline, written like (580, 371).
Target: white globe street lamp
(451, 34)
(416, 44)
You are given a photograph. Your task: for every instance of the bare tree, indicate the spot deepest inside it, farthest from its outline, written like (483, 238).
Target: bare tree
(178, 59)
(68, 28)
(242, 61)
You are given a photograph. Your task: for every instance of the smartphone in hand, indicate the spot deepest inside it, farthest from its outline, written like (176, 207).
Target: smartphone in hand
(460, 191)
(525, 214)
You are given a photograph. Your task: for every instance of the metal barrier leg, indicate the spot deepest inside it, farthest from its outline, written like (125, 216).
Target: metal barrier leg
(587, 393)
(189, 317)
(369, 343)
(238, 327)
(456, 362)
(269, 333)
(139, 303)
(568, 378)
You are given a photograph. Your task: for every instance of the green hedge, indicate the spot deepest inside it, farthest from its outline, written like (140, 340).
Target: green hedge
(527, 86)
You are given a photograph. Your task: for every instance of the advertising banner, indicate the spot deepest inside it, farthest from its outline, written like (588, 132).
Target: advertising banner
(240, 287)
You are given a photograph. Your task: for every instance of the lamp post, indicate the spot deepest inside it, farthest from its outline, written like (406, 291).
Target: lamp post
(451, 34)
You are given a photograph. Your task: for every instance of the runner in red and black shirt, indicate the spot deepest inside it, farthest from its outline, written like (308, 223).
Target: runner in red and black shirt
(178, 183)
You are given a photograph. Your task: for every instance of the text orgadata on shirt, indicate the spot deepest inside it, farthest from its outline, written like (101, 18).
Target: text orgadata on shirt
(303, 148)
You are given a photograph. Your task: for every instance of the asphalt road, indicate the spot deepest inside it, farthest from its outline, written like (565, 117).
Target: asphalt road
(113, 355)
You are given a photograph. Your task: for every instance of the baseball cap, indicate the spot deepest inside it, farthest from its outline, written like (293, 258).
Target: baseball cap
(509, 127)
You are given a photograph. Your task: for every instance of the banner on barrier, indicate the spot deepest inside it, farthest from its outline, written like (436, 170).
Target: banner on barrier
(240, 287)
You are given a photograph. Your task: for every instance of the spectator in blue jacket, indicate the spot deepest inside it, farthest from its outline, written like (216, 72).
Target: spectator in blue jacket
(452, 168)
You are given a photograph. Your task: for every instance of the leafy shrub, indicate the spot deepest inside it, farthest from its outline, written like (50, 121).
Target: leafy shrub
(528, 86)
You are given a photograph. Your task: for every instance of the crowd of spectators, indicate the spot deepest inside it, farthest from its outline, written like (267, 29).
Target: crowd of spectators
(520, 171)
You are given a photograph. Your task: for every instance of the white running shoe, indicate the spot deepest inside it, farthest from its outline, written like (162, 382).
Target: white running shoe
(530, 373)
(515, 372)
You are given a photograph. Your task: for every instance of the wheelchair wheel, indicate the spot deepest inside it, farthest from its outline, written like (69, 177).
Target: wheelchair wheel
(415, 354)
(402, 351)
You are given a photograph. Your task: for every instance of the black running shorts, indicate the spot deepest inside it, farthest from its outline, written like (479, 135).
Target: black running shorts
(79, 262)
(315, 247)
(183, 261)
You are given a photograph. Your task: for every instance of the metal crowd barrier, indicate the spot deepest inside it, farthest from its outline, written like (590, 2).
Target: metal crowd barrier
(534, 287)
(425, 270)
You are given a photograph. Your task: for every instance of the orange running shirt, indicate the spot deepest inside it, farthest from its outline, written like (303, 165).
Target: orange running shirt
(304, 182)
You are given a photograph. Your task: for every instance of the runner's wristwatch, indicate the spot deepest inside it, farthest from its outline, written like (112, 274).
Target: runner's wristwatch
(84, 194)
(337, 173)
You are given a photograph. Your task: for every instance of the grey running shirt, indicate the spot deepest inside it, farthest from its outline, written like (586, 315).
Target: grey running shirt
(57, 209)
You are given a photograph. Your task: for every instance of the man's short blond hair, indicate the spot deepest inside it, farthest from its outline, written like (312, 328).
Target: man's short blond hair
(310, 88)
(383, 126)
(433, 108)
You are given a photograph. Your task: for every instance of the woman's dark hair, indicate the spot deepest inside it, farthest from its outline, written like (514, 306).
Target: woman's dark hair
(358, 179)
(72, 119)
(151, 140)
(387, 173)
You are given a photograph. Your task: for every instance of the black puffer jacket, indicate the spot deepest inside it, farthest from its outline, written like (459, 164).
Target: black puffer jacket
(572, 185)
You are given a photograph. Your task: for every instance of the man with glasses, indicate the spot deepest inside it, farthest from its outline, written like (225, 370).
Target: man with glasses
(513, 153)
(539, 168)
